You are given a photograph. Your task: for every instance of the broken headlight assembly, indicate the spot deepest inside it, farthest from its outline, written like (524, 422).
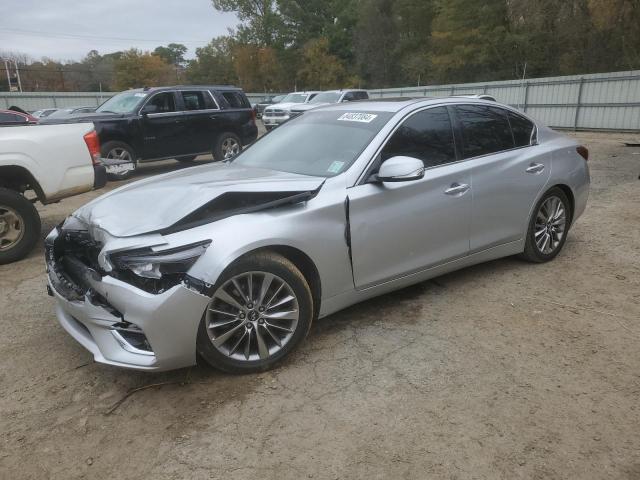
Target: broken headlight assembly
(155, 271)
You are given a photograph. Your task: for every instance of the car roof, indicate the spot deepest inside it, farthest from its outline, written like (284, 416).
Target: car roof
(181, 87)
(396, 104)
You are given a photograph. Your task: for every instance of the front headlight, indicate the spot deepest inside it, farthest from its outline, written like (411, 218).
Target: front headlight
(149, 264)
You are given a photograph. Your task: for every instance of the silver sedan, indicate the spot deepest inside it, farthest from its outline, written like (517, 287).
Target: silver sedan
(234, 261)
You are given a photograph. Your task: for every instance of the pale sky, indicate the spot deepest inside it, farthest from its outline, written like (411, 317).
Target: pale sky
(68, 29)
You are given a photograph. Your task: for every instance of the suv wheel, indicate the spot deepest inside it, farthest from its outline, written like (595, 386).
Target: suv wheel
(227, 146)
(19, 226)
(261, 309)
(548, 227)
(119, 151)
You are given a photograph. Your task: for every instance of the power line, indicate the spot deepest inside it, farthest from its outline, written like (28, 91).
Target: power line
(75, 36)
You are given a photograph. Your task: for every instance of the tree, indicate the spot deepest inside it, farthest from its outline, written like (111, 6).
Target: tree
(213, 63)
(375, 43)
(471, 42)
(140, 69)
(320, 69)
(173, 53)
(261, 21)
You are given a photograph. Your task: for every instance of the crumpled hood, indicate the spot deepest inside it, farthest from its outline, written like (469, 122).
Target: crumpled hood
(159, 202)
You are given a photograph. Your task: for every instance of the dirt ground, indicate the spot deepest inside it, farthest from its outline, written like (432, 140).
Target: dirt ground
(502, 371)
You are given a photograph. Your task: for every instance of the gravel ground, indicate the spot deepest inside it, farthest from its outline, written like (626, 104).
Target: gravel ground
(505, 370)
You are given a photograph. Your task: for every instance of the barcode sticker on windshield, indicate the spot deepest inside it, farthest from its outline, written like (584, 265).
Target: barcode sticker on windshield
(357, 117)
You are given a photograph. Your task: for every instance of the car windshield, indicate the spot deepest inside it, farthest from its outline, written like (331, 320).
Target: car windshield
(124, 102)
(295, 98)
(321, 144)
(278, 99)
(326, 97)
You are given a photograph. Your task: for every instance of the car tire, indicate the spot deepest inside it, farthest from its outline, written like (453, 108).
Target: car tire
(186, 158)
(548, 227)
(226, 329)
(19, 226)
(227, 146)
(119, 150)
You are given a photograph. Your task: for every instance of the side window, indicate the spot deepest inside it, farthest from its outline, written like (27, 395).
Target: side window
(194, 100)
(161, 103)
(234, 99)
(349, 96)
(362, 96)
(426, 135)
(523, 130)
(485, 130)
(11, 118)
(310, 97)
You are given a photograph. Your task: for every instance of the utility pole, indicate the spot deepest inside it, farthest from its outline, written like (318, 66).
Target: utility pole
(6, 67)
(15, 62)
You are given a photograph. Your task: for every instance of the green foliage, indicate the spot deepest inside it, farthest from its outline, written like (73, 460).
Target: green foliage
(213, 63)
(173, 54)
(141, 69)
(281, 45)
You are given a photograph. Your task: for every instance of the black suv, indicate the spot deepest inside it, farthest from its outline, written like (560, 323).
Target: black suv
(178, 122)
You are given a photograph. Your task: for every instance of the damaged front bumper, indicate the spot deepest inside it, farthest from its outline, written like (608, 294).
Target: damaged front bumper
(121, 324)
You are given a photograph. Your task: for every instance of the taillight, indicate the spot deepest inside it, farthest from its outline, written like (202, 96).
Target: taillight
(583, 152)
(93, 144)
(253, 115)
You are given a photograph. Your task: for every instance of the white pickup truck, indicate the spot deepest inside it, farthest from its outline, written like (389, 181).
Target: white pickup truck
(53, 162)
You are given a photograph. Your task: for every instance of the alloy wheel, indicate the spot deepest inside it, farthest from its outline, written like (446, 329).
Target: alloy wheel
(11, 228)
(121, 154)
(230, 148)
(550, 225)
(252, 316)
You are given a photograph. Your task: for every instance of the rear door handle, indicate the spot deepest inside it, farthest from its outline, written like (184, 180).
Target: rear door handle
(213, 117)
(457, 189)
(535, 168)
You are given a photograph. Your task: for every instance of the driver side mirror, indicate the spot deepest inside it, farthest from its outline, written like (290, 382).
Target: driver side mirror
(401, 169)
(150, 108)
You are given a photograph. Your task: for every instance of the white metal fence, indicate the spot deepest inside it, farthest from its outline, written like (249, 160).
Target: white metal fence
(605, 101)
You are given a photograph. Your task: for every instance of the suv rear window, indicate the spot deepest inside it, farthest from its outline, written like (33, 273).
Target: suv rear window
(485, 130)
(236, 100)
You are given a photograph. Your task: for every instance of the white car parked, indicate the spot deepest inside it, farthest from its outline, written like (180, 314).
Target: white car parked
(53, 162)
(279, 113)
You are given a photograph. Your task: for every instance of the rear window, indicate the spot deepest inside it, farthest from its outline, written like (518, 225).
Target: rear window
(194, 100)
(523, 130)
(485, 130)
(236, 100)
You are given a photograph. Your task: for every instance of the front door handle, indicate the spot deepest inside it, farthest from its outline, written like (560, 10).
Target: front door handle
(457, 189)
(213, 117)
(535, 168)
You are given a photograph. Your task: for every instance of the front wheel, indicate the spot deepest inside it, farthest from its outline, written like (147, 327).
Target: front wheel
(261, 309)
(19, 226)
(227, 146)
(548, 227)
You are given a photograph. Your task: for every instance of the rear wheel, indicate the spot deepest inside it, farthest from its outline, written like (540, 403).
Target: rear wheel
(261, 309)
(19, 226)
(227, 146)
(123, 154)
(548, 227)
